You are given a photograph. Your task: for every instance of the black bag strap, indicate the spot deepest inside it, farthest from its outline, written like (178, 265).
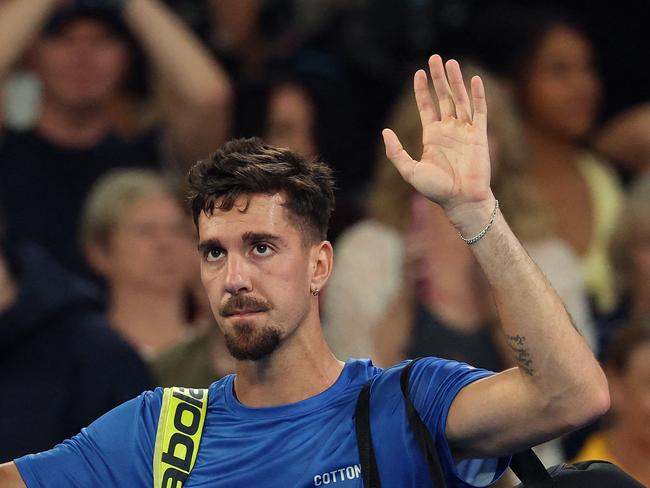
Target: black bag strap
(421, 431)
(369, 469)
(526, 465)
(528, 468)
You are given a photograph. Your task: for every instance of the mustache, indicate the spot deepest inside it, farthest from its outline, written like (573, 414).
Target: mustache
(243, 303)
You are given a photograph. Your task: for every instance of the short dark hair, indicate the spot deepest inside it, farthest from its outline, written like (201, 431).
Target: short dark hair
(249, 166)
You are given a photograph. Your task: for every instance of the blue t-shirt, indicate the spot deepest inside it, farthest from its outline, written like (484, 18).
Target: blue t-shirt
(304, 444)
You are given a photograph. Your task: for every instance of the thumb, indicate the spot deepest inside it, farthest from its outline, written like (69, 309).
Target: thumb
(397, 155)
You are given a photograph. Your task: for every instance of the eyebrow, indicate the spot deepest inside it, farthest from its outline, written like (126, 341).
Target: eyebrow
(252, 237)
(209, 244)
(247, 238)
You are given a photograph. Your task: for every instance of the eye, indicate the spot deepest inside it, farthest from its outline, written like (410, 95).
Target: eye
(262, 249)
(214, 254)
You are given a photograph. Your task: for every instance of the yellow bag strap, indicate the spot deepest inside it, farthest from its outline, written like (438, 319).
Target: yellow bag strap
(180, 426)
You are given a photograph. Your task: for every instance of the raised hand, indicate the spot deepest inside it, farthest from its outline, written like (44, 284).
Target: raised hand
(454, 169)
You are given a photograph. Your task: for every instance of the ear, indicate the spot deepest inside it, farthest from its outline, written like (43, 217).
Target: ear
(321, 265)
(98, 256)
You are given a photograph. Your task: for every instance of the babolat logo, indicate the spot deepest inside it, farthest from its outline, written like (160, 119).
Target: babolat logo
(179, 434)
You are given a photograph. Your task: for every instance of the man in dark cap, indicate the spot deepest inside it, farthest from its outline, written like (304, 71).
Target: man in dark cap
(81, 52)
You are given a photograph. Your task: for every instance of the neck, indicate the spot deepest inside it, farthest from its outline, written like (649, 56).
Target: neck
(303, 366)
(148, 319)
(74, 128)
(548, 150)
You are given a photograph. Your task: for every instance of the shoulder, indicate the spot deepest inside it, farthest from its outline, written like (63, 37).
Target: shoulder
(196, 343)
(107, 363)
(433, 382)
(141, 413)
(96, 339)
(118, 446)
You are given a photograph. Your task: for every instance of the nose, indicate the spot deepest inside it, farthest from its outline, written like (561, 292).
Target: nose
(238, 278)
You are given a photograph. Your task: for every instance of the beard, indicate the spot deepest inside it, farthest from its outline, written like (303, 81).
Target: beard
(246, 343)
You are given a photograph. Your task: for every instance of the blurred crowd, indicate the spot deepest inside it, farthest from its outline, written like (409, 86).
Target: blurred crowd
(106, 103)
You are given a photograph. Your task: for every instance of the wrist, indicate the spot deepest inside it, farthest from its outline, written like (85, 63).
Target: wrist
(470, 219)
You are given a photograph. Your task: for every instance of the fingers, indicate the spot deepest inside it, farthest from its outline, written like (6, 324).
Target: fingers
(423, 98)
(440, 84)
(458, 91)
(450, 90)
(397, 155)
(480, 104)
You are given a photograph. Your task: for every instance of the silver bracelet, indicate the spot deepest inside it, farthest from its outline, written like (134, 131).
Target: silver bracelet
(480, 235)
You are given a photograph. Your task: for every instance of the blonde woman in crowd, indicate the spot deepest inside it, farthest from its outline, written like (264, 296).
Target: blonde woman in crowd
(136, 236)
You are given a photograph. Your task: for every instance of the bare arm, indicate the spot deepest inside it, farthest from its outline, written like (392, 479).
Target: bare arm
(20, 23)
(10, 477)
(626, 140)
(558, 384)
(198, 89)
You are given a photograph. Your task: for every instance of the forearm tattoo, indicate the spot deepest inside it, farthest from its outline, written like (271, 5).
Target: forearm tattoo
(518, 345)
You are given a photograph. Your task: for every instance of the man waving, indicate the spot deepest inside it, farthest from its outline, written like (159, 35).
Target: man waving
(287, 417)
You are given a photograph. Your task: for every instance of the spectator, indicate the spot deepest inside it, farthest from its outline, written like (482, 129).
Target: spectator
(54, 338)
(630, 252)
(276, 59)
(244, 37)
(626, 441)
(291, 119)
(550, 65)
(80, 51)
(307, 113)
(137, 237)
(411, 303)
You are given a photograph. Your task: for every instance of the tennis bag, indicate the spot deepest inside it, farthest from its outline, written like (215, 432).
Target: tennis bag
(526, 465)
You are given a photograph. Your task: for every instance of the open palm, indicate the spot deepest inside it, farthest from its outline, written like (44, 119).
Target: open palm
(455, 166)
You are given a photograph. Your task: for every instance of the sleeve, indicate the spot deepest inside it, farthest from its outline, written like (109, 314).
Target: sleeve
(434, 384)
(362, 285)
(114, 451)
